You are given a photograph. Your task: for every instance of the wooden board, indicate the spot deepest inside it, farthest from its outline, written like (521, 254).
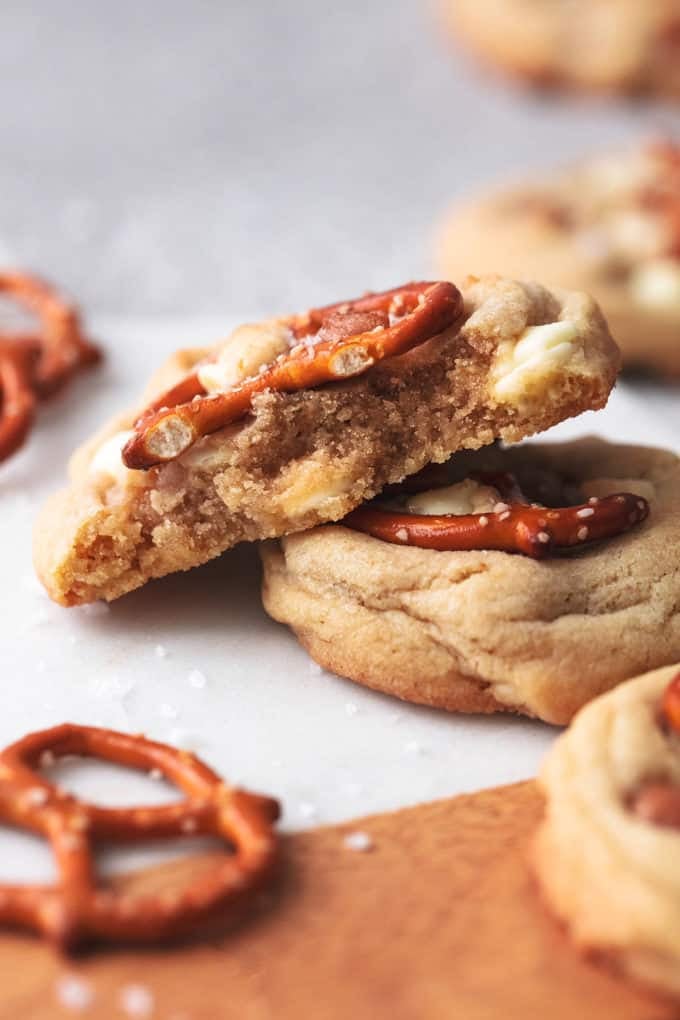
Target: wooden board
(440, 920)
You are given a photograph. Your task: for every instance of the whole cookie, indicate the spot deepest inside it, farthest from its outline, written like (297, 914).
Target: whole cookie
(609, 225)
(603, 45)
(486, 631)
(515, 359)
(607, 852)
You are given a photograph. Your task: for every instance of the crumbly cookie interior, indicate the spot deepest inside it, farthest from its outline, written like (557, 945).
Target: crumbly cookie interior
(304, 458)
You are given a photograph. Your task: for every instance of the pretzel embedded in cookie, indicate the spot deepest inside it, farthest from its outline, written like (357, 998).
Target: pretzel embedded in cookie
(36, 365)
(512, 527)
(658, 800)
(333, 343)
(75, 910)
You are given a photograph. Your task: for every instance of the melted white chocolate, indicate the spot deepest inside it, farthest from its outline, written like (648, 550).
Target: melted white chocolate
(247, 351)
(467, 497)
(108, 460)
(523, 366)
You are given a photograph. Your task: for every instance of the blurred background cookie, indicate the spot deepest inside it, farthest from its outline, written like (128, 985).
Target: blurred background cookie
(605, 45)
(609, 225)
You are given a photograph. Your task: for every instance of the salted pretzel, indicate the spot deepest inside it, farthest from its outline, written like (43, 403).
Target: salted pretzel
(35, 365)
(514, 525)
(75, 909)
(328, 344)
(658, 800)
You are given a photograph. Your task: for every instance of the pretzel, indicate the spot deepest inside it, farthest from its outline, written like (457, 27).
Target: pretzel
(34, 366)
(75, 910)
(517, 527)
(658, 800)
(333, 343)
(17, 361)
(670, 704)
(664, 198)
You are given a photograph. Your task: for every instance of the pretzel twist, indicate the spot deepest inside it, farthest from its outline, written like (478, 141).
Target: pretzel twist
(658, 800)
(33, 367)
(516, 528)
(75, 910)
(334, 343)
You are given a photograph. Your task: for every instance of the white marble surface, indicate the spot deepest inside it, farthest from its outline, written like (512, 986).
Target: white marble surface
(266, 716)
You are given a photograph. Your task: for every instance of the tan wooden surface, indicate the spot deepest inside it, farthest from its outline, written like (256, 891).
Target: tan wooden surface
(440, 920)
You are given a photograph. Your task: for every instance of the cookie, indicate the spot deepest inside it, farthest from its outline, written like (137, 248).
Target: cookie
(297, 459)
(628, 46)
(483, 630)
(606, 853)
(609, 225)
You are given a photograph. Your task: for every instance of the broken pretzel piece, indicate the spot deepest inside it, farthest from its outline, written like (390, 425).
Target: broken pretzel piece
(333, 344)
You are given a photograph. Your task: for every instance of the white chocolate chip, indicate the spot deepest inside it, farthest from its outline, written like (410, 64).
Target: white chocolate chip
(467, 497)
(248, 350)
(108, 460)
(522, 367)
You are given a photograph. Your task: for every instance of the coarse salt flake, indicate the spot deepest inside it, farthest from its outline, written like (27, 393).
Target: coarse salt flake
(74, 993)
(197, 679)
(136, 1000)
(358, 841)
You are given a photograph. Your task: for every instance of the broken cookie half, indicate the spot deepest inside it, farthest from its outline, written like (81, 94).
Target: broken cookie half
(295, 422)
